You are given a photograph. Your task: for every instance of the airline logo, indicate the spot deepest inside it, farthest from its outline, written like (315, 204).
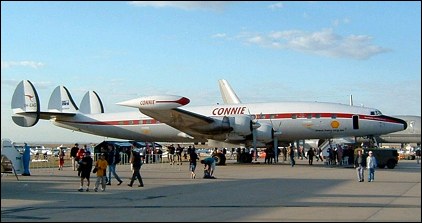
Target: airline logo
(29, 96)
(229, 111)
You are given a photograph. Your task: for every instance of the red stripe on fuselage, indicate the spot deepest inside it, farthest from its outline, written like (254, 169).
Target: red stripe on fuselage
(258, 116)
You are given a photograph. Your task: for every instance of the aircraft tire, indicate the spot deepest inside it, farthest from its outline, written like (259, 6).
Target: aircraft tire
(220, 159)
(391, 164)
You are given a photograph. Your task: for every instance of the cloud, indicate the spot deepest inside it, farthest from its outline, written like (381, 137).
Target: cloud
(324, 43)
(219, 35)
(275, 6)
(10, 64)
(185, 5)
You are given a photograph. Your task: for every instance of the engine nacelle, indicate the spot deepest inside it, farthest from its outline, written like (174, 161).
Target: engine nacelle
(265, 133)
(242, 125)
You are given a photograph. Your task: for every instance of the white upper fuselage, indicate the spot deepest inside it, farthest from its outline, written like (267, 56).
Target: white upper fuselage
(295, 120)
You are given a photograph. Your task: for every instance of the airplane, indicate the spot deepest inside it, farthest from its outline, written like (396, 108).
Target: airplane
(164, 118)
(412, 134)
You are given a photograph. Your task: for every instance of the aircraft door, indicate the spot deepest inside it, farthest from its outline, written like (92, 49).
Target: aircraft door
(355, 122)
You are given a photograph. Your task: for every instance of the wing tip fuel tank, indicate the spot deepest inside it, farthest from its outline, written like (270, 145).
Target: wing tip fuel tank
(156, 102)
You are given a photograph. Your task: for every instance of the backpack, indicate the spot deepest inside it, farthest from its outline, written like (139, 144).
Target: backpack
(118, 158)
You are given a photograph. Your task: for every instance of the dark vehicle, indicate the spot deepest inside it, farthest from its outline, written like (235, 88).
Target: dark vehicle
(385, 157)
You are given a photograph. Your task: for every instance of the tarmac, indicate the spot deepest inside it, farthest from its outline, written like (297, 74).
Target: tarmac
(241, 193)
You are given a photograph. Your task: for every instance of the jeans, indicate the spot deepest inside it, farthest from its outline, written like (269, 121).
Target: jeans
(371, 174)
(112, 169)
(360, 171)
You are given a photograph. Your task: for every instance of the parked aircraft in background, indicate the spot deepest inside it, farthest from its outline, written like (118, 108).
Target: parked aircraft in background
(163, 119)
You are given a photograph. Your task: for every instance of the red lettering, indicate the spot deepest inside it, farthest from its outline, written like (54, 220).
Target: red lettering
(147, 102)
(229, 111)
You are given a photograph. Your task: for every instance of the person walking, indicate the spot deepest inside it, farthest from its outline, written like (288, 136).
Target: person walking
(371, 163)
(101, 167)
(113, 160)
(135, 160)
(360, 164)
(193, 157)
(85, 164)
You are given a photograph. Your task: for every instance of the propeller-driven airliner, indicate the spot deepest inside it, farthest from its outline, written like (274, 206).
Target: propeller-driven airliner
(169, 118)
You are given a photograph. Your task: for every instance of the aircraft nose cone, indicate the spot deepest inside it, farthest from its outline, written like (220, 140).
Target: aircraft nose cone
(401, 121)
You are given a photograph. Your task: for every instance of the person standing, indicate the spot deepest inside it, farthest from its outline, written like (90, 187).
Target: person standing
(101, 166)
(135, 160)
(311, 154)
(26, 157)
(193, 157)
(85, 166)
(61, 159)
(292, 156)
(113, 160)
(79, 156)
(360, 164)
(73, 153)
(171, 151)
(371, 163)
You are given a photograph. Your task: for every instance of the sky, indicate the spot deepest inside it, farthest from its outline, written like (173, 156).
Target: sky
(267, 51)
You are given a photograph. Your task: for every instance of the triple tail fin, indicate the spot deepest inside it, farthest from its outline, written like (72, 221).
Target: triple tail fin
(61, 101)
(91, 103)
(25, 105)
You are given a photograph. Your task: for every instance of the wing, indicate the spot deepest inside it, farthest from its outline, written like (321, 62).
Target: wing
(191, 123)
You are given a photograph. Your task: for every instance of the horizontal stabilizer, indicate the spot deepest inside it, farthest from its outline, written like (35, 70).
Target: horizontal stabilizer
(91, 103)
(61, 101)
(25, 104)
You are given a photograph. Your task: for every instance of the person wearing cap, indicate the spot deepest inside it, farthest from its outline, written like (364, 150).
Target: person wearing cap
(371, 163)
(101, 166)
(85, 167)
(360, 164)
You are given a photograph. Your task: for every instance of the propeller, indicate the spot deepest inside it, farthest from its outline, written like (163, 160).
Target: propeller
(255, 126)
(275, 139)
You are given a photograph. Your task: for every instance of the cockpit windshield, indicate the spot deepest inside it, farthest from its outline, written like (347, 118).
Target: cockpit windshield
(376, 112)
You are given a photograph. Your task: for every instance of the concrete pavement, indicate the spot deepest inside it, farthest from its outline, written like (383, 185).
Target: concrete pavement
(241, 192)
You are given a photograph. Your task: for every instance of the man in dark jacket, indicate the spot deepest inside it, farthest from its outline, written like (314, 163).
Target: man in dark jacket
(85, 165)
(135, 160)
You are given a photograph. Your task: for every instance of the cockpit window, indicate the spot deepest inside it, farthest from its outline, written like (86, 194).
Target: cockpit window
(376, 112)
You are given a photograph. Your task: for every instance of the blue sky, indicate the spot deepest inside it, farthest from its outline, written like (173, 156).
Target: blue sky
(268, 51)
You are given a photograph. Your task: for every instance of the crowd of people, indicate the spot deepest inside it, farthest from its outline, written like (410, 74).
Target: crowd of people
(105, 167)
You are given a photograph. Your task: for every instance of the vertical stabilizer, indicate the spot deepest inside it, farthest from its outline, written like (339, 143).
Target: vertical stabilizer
(25, 105)
(229, 96)
(61, 101)
(91, 103)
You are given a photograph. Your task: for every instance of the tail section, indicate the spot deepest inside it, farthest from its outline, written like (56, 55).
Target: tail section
(61, 101)
(229, 96)
(91, 103)
(25, 105)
